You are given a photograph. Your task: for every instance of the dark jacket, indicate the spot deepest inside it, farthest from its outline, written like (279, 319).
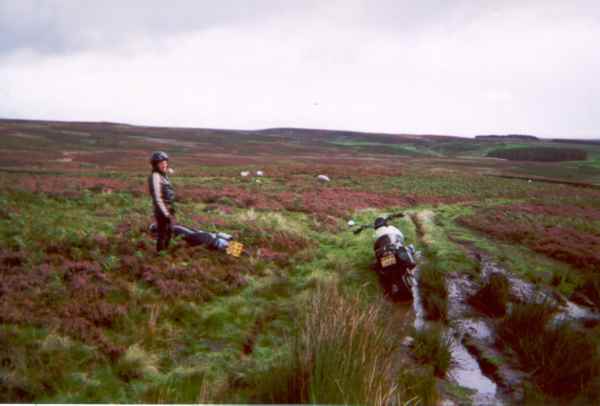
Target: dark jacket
(163, 194)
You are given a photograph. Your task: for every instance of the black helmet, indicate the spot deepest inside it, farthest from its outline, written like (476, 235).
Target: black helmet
(157, 157)
(379, 222)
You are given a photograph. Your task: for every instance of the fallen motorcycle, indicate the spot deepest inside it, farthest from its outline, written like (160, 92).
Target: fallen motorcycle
(394, 262)
(214, 241)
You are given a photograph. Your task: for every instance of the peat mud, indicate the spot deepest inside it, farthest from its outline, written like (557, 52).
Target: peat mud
(466, 330)
(476, 330)
(480, 365)
(522, 291)
(471, 339)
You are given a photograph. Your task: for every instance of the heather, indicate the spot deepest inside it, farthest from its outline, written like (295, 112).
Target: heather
(91, 313)
(568, 233)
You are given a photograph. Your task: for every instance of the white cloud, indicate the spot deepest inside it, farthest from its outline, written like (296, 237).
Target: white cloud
(525, 67)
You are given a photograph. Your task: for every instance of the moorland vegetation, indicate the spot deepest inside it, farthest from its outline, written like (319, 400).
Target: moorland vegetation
(90, 313)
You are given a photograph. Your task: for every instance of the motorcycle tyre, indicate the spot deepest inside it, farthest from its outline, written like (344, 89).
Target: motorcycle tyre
(402, 293)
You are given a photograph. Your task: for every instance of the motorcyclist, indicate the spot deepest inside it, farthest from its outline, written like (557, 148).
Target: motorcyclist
(382, 228)
(163, 198)
(394, 269)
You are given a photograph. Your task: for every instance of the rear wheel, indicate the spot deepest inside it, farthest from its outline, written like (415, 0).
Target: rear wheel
(402, 293)
(394, 283)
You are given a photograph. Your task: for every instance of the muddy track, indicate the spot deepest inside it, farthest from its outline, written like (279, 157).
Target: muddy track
(479, 331)
(473, 349)
(480, 362)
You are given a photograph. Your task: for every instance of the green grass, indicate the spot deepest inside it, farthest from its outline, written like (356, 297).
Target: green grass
(563, 359)
(47, 366)
(518, 259)
(254, 329)
(419, 386)
(433, 289)
(401, 149)
(342, 355)
(44, 220)
(181, 385)
(431, 346)
(457, 393)
(436, 236)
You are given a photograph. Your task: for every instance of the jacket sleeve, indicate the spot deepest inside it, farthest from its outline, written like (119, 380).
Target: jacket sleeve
(157, 195)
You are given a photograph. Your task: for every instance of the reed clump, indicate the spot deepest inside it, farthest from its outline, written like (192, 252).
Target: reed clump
(434, 292)
(343, 353)
(562, 358)
(432, 347)
(493, 297)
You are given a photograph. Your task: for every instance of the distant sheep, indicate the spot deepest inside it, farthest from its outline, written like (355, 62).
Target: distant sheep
(323, 178)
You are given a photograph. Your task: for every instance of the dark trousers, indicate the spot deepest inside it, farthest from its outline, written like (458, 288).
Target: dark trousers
(164, 228)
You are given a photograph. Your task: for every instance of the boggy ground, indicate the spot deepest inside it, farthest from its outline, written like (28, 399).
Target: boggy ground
(89, 312)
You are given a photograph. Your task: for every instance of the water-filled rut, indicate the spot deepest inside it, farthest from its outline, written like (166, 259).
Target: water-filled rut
(465, 369)
(480, 362)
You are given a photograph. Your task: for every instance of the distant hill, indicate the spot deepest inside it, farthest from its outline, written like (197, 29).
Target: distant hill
(60, 136)
(283, 132)
(507, 137)
(42, 135)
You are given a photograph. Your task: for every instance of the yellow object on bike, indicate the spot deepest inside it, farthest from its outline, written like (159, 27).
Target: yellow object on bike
(235, 249)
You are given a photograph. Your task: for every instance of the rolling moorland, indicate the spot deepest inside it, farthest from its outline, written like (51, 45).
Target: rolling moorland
(508, 228)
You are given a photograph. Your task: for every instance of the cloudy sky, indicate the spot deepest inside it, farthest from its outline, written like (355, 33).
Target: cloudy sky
(460, 67)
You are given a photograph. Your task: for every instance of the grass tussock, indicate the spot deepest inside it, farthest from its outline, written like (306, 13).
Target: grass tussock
(343, 354)
(434, 292)
(433, 347)
(285, 381)
(530, 318)
(182, 385)
(136, 364)
(418, 386)
(492, 298)
(563, 359)
(425, 228)
(40, 365)
(591, 288)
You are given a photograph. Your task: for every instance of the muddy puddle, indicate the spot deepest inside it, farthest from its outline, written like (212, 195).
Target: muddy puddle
(478, 363)
(523, 291)
(465, 370)
(473, 335)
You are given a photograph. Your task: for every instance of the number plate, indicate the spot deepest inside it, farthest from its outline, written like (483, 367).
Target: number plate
(388, 260)
(235, 248)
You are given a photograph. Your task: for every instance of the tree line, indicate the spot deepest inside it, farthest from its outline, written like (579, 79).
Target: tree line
(539, 154)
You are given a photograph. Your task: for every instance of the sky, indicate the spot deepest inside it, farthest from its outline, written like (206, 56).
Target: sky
(459, 67)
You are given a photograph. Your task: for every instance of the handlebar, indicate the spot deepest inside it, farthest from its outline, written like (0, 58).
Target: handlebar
(359, 229)
(365, 226)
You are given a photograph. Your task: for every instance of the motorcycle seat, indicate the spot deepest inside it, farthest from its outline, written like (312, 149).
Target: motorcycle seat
(382, 242)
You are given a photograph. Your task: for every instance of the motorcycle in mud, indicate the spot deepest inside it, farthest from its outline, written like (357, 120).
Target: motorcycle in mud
(215, 241)
(394, 261)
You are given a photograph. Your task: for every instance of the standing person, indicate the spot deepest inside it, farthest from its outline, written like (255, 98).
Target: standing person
(163, 198)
